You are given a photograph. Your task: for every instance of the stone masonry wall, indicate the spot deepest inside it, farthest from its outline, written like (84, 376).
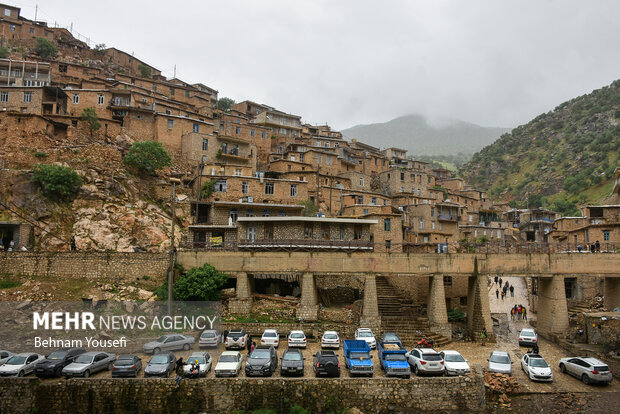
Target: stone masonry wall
(153, 396)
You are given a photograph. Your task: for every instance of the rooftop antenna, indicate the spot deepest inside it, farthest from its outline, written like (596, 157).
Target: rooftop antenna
(175, 72)
(36, 9)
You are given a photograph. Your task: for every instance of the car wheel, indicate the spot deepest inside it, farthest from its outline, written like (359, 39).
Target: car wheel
(585, 379)
(186, 347)
(156, 351)
(416, 370)
(563, 368)
(20, 374)
(86, 374)
(58, 372)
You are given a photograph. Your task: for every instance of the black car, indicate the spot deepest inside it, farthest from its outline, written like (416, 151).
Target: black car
(52, 366)
(292, 362)
(262, 362)
(161, 365)
(326, 363)
(127, 366)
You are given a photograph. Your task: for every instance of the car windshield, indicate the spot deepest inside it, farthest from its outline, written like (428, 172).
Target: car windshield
(260, 354)
(57, 355)
(528, 333)
(269, 335)
(360, 355)
(208, 335)
(159, 359)
(292, 356)
(84, 359)
(123, 362)
(364, 335)
(330, 336)
(431, 357)
(228, 358)
(389, 338)
(200, 359)
(297, 335)
(500, 359)
(161, 339)
(601, 368)
(454, 358)
(16, 360)
(395, 357)
(538, 363)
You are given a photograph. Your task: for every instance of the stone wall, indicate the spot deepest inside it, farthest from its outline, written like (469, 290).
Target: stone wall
(93, 396)
(86, 265)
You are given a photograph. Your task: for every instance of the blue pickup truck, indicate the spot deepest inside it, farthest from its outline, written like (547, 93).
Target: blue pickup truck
(393, 359)
(357, 357)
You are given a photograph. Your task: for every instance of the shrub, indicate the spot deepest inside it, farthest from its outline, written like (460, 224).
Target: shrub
(148, 156)
(45, 48)
(40, 154)
(225, 103)
(90, 116)
(145, 70)
(57, 182)
(456, 314)
(200, 284)
(310, 208)
(4, 52)
(207, 189)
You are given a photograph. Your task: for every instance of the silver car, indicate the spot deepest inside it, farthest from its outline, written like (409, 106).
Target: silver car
(169, 342)
(500, 362)
(536, 368)
(89, 363)
(204, 363)
(297, 339)
(19, 365)
(588, 370)
(209, 338)
(528, 337)
(4, 356)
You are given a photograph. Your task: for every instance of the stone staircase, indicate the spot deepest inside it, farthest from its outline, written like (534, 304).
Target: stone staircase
(401, 316)
(579, 307)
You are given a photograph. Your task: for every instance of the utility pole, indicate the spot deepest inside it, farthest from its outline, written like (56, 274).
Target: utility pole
(175, 72)
(174, 182)
(36, 9)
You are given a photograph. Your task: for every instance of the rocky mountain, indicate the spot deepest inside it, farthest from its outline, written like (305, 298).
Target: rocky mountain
(559, 159)
(423, 136)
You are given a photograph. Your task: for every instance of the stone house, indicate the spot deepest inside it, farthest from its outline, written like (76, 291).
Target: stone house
(387, 234)
(599, 223)
(25, 73)
(130, 62)
(536, 224)
(432, 227)
(402, 180)
(397, 157)
(38, 100)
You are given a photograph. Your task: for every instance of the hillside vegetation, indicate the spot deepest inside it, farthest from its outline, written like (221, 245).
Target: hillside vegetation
(559, 159)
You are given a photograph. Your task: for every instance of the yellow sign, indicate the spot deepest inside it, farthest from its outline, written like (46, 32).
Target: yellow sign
(216, 241)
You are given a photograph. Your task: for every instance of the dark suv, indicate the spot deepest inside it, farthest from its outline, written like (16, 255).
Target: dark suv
(52, 366)
(262, 362)
(326, 363)
(161, 365)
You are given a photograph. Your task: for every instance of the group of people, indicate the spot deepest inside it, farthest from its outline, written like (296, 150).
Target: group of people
(505, 288)
(519, 312)
(594, 247)
(10, 247)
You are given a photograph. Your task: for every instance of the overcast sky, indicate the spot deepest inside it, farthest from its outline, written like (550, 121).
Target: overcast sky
(494, 63)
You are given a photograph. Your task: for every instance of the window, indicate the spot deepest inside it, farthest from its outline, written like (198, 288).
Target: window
(269, 231)
(361, 182)
(249, 213)
(234, 215)
(402, 176)
(440, 226)
(326, 144)
(365, 211)
(319, 158)
(220, 186)
(421, 224)
(325, 231)
(471, 218)
(308, 229)
(244, 187)
(357, 232)
(419, 191)
(293, 190)
(266, 213)
(170, 123)
(237, 130)
(205, 144)
(429, 180)
(301, 157)
(606, 234)
(499, 234)
(187, 93)
(432, 211)
(238, 172)
(374, 201)
(7, 12)
(387, 225)
(4, 96)
(447, 280)
(328, 160)
(196, 128)
(251, 132)
(263, 134)
(76, 98)
(388, 244)
(251, 233)
(432, 225)
(27, 96)
(342, 233)
(281, 213)
(268, 188)
(12, 27)
(100, 99)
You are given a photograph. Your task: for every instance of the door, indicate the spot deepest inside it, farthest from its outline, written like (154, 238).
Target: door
(251, 234)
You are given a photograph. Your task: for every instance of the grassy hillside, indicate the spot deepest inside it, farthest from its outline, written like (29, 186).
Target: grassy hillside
(559, 159)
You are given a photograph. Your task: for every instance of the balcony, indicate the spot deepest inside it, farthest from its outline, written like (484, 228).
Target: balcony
(447, 217)
(305, 244)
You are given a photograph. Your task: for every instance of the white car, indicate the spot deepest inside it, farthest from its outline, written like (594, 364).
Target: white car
(204, 363)
(20, 364)
(4, 356)
(426, 361)
(365, 334)
(587, 369)
(455, 363)
(528, 337)
(536, 368)
(500, 362)
(297, 339)
(330, 339)
(270, 338)
(229, 364)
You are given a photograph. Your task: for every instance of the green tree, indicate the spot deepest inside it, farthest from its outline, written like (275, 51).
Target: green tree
(145, 70)
(148, 156)
(310, 208)
(90, 115)
(4, 52)
(45, 48)
(535, 200)
(225, 103)
(207, 189)
(100, 48)
(57, 182)
(200, 284)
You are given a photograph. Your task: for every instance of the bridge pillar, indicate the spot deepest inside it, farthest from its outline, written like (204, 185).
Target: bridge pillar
(436, 307)
(370, 312)
(478, 308)
(242, 303)
(612, 293)
(552, 311)
(309, 307)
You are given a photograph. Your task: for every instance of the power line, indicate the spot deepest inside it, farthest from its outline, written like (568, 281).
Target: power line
(32, 222)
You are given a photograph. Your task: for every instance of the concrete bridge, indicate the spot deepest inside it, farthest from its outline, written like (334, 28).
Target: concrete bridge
(549, 268)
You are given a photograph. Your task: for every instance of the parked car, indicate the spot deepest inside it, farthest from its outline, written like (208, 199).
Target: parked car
(161, 365)
(20, 365)
(52, 366)
(500, 361)
(393, 359)
(426, 361)
(528, 337)
(455, 363)
(127, 366)
(262, 362)
(270, 338)
(391, 337)
(209, 338)
(326, 363)
(229, 364)
(589, 370)
(297, 339)
(292, 362)
(536, 367)
(4, 356)
(330, 339)
(88, 363)
(204, 363)
(169, 342)
(365, 334)
(236, 339)
(357, 357)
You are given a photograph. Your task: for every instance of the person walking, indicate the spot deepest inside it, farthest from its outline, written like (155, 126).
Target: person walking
(512, 291)
(524, 312)
(497, 293)
(598, 246)
(503, 294)
(512, 314)
(496, 280)
(500, 282)
(249, 345)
